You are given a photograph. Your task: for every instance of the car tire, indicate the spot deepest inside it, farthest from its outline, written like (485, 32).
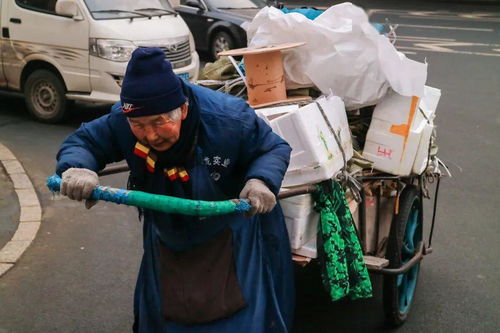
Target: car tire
(45, 96)
(220, 41)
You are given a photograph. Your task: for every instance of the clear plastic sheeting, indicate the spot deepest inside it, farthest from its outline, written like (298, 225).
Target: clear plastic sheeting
(344, 53)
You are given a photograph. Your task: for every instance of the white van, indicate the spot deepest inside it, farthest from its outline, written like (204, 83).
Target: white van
(59, 51)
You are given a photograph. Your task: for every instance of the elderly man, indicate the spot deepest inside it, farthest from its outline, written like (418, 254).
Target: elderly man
(228, 273)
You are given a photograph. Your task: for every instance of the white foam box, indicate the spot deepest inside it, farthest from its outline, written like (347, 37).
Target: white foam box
(273, 112)
(316, 155)
(300, 218)
(395, 132)
(308, 243)
(421, 157)
(307, 250)
(428, 106)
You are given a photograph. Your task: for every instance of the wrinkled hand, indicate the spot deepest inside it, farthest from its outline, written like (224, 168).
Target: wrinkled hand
(259, 195)
(78, 184)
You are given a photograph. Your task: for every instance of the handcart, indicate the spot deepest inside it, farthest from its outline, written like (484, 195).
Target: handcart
(406, 245)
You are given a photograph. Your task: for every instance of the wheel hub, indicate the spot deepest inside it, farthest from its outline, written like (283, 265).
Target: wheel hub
(45, 97)
(221, 44)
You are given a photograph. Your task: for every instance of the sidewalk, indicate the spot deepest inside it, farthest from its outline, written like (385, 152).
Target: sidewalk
(20, 211)
(9, 208)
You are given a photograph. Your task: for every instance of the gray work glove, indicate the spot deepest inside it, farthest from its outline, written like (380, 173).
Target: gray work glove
(259, 195)
(78, 184)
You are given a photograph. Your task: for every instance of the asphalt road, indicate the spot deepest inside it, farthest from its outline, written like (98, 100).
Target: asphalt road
(78, 275)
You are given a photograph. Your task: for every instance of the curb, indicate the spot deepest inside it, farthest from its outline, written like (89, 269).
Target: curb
(30, 215)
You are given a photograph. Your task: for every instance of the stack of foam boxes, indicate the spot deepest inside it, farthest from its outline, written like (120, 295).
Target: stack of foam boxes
(400, 131)
(397, 142)
(316, 156)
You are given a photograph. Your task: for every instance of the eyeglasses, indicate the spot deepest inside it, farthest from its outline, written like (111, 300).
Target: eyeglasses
(160, 121)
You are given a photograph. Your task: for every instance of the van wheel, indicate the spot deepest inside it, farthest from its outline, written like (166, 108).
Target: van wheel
(45, 96)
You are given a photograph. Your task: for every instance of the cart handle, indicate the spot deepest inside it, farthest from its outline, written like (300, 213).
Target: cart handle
(299, 190)
(162, 203)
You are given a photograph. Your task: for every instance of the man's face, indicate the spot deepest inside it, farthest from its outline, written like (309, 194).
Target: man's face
(160, 132)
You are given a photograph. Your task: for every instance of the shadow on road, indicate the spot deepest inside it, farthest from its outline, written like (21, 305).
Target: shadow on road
(315, 312)
(14, 109)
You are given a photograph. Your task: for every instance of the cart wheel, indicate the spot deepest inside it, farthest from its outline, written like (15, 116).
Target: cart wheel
(406, 233)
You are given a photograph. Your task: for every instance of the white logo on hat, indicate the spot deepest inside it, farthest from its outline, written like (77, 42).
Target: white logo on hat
(129, 107)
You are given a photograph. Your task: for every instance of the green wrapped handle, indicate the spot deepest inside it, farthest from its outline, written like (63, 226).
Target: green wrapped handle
(162, 203)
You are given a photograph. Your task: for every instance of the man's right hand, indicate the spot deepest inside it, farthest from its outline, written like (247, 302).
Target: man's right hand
(78, 184)
(260, 196)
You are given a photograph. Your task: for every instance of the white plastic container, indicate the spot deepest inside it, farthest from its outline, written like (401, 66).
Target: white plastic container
(300, 218)
(396, 131)
(316, 155)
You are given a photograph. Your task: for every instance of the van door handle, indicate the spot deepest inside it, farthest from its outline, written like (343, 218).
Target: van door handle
(15, 20)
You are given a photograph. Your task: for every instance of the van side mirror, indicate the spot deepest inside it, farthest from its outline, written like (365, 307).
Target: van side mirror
(194, 3)
(68, 8)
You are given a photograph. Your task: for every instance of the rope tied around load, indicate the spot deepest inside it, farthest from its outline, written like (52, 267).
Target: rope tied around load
(343, 176)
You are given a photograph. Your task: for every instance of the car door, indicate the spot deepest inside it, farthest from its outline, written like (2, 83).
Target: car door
(198, 21)
(31, 30)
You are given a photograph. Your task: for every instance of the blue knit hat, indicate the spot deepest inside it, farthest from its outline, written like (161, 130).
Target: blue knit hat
(150, 86)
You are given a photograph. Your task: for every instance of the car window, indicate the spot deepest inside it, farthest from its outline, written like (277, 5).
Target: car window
(123, 8)
(189, 2)
(238, 4)
(46, 6)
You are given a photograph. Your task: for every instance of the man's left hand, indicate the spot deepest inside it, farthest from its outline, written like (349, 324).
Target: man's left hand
(259, 195)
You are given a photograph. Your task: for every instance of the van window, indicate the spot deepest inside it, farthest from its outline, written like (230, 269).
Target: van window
(112, 9)
(46, 6)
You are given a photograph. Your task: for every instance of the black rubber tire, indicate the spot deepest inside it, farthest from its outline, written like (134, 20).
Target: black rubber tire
(44, 94)
(219, 42)
(409, 197)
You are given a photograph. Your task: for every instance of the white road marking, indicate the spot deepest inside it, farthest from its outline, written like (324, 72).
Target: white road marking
(442, 15)
(450, 18)
(439, 42)
(444, 50)
(409, 52)
(443, 45)
(442, 27)
(421, 38)
(440, 47)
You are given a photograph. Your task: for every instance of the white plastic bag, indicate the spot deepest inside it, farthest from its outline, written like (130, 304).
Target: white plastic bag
(344, 53)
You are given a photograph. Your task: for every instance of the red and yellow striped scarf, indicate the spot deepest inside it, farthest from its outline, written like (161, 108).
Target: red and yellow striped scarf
(172, 173)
